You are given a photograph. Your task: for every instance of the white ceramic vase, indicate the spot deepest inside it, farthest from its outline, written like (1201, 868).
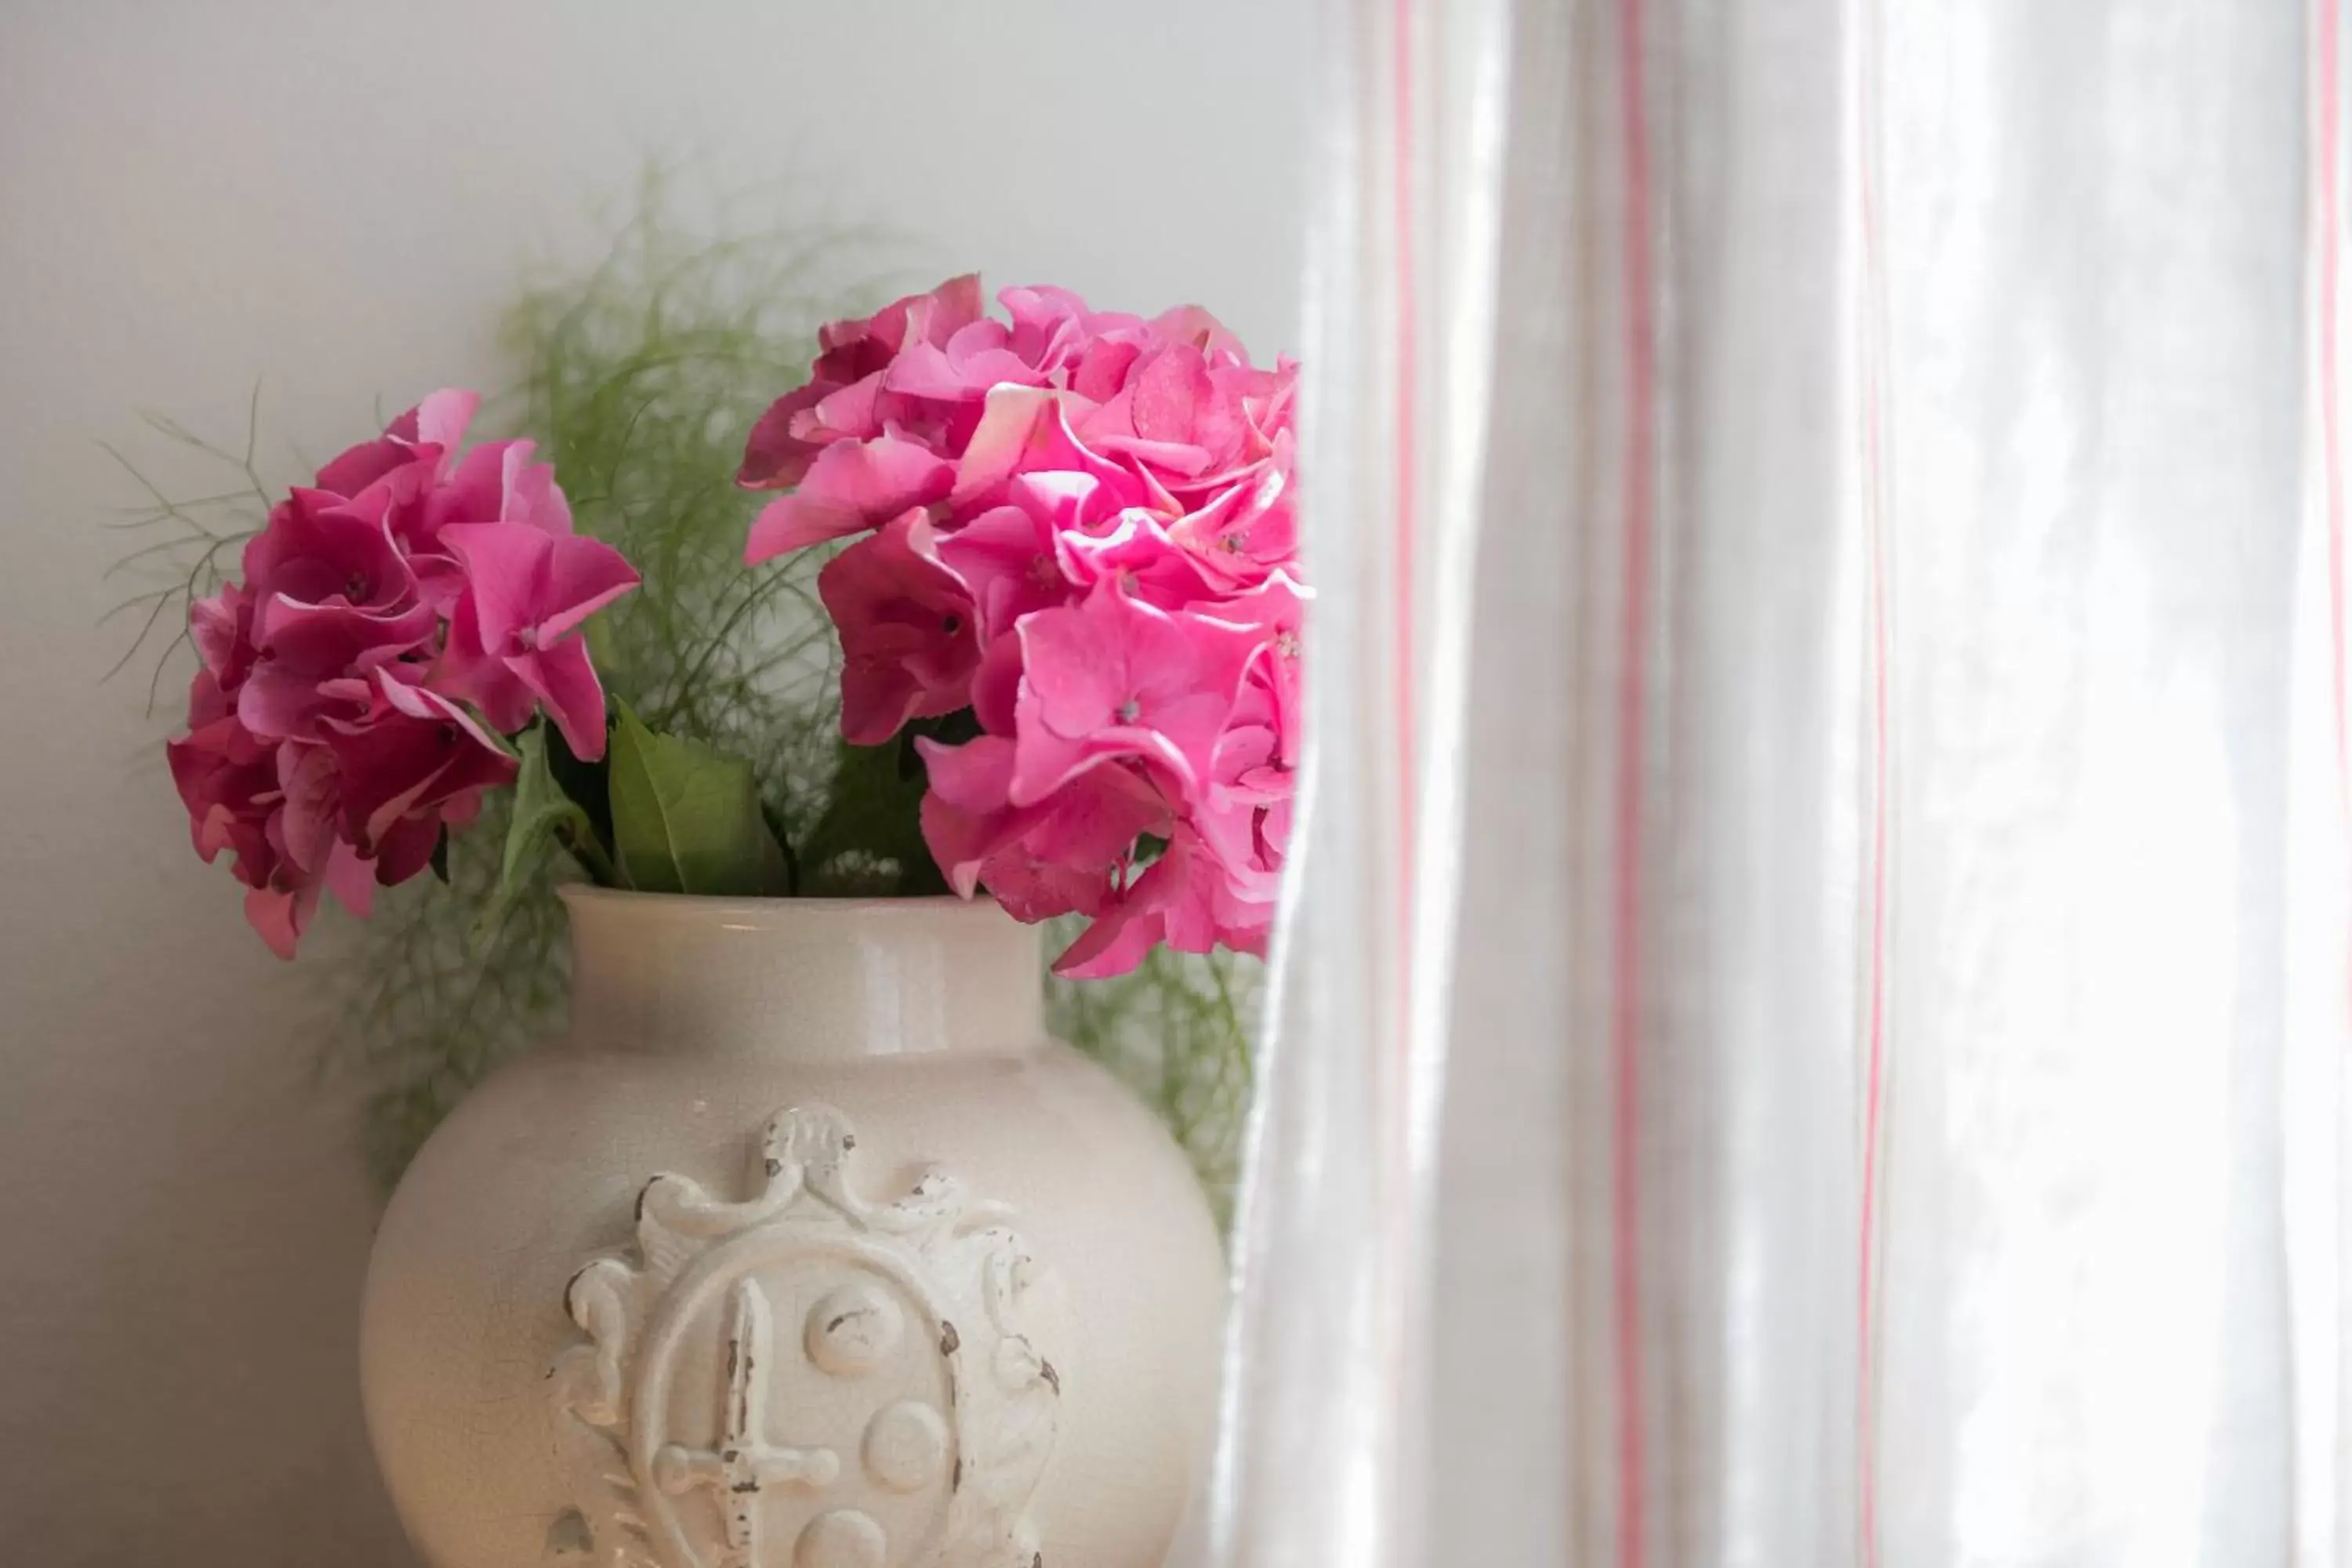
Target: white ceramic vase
(803, 1249)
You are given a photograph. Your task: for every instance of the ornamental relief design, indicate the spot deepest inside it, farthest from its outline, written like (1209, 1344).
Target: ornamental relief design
(805, 1378)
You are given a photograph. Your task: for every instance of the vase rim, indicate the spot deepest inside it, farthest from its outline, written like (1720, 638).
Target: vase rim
(802, 977)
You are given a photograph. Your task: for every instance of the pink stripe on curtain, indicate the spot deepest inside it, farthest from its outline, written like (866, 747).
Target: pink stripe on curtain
(1870, 348)
(2325, 202)
(1639, 506)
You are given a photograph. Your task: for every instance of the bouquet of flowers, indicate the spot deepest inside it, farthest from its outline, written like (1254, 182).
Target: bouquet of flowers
(1055, 555)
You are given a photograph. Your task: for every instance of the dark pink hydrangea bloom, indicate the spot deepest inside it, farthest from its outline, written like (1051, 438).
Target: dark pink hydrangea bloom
(328, 747)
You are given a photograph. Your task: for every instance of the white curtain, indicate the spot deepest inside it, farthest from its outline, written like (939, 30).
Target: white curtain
(1811, 1025)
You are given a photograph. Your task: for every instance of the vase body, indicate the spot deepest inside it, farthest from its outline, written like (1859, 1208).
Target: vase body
(804, 1247)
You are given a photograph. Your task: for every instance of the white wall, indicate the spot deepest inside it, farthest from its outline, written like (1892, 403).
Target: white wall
(336, 198)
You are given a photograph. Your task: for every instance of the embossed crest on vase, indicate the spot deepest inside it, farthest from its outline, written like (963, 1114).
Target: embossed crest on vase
(805, 1378)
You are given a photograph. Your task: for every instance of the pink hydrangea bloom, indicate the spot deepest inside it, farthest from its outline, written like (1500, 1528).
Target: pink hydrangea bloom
(514, 645)
(328, 745)
(1081, 525)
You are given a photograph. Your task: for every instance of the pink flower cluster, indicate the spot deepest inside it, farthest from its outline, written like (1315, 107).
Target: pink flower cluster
(1080, 525)
(334, 728)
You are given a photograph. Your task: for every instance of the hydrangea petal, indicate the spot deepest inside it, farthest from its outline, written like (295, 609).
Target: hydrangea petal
(850, 488)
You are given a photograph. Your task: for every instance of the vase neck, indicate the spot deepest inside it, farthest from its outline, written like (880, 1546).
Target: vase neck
(799, 979)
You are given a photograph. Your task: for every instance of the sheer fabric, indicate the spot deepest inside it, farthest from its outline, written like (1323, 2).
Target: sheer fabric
(1813, 1021)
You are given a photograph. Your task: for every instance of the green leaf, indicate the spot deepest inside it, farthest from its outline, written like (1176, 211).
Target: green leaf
(869, 841)
(440, 861)
(543, 815)
(586, 783)
(685, 818)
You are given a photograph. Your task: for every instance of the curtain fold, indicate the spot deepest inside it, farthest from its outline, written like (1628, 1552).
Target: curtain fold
(1811, 1025)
